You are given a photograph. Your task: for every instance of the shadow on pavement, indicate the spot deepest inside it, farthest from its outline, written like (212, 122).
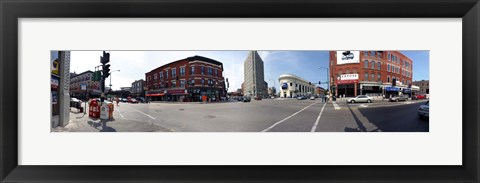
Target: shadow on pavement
(401, 118)
(104, 126)
(360, 128)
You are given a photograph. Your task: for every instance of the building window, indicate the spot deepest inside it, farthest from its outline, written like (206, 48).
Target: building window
(174, 72)
(203, 70)
(161, 75)
(388, 79)
(203, 82)
(182, 83)
(389, 56)
(210, 71)
(388, 67)
(379, 77)
(182, 71)
(379, 55)
(216, 72)
(192, 70)
(366, 64)
(154, 76)
(174, 84)
(365, 53)
(379, 65)
(365, 78)
(166, 74)
(373, 77)
(372, 53)
(373, 64)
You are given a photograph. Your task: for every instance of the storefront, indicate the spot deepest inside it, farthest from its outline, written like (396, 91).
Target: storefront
(371, 89)
(391, 91)
(158, 95)
(347, 85)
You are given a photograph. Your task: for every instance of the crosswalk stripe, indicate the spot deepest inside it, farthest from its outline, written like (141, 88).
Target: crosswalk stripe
(336, 106)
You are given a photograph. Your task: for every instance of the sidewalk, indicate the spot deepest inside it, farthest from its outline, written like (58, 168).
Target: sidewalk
(80, 122)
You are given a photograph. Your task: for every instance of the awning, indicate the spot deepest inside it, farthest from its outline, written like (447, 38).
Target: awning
(391, 89)
(155, 94)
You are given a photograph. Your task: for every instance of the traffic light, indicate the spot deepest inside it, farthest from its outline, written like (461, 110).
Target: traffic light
(105, 71)
(105, 58)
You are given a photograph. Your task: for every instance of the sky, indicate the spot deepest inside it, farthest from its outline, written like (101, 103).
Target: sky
(134, 64)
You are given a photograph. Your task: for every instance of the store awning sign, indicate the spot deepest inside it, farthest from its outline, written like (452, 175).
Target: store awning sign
(391, 89)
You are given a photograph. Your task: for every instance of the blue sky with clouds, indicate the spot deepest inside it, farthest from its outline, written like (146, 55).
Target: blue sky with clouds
(134, 64)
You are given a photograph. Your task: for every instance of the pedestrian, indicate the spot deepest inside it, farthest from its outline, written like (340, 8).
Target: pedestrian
(117, 100)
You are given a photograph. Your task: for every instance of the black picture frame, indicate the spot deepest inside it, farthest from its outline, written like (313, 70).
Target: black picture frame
(468, 10)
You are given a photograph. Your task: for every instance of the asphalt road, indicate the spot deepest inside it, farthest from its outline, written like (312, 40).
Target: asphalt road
(271, 115)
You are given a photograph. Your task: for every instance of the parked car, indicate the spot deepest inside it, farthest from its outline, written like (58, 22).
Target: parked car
(246, 99)
(423, 110)
(419, 96)
(133, 101)
(240, 98)
(258, 98)
(360, 98)
(399, 98)
(312, 97)
(301, 97)
(140, 99)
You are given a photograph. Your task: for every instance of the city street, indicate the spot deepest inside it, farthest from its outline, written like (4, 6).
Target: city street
(268, 115)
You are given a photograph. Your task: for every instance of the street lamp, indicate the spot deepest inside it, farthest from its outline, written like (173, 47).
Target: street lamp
(328, 84)
(273, 86)
(111, 77)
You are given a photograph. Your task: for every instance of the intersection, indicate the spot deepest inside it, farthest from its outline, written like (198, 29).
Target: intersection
(268, 115)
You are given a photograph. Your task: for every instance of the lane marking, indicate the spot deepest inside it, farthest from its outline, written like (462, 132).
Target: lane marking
(281, 121)
(318, 119)
(336, 106)
(121, 115)
(142, 112)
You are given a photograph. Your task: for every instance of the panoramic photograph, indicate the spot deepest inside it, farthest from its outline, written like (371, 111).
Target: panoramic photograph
(240, 91)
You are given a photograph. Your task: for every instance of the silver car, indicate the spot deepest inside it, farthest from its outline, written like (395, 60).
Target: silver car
(399, 98)
(424, 110)
(360, 98)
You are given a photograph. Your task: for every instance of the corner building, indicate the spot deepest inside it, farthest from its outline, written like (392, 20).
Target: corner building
(292, 86)
(186, 80)
(373, 73)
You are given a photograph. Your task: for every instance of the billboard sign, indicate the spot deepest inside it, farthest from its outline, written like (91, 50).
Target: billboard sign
(348, 57)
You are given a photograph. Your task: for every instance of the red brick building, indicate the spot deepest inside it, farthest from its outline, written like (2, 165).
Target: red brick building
(186, 80)
(372, 73)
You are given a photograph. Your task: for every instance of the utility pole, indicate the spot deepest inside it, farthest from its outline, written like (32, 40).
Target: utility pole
(105, 72)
